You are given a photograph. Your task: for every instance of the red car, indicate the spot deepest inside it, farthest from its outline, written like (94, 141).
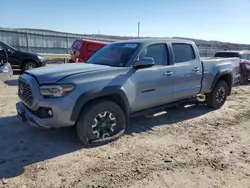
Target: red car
(244, 63)
(82, 50)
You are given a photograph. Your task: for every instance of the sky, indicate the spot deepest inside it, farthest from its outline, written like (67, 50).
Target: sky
(223, 20)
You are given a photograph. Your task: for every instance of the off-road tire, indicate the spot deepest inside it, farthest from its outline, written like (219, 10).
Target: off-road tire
(87, 116)
(211, 98)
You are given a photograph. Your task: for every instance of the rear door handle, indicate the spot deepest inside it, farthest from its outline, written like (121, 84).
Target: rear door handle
(196, 69)
(168, 73)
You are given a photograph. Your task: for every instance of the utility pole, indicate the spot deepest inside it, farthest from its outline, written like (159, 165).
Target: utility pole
(138, 29)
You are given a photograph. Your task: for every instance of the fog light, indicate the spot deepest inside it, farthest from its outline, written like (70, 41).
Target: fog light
(50, 112)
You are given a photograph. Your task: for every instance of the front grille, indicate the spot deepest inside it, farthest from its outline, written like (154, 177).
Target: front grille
(24, 93)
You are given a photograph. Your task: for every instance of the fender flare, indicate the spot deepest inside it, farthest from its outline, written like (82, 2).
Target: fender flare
(92, 95)
(219, 75)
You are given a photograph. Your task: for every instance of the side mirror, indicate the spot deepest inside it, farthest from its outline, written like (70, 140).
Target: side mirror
(144, 62)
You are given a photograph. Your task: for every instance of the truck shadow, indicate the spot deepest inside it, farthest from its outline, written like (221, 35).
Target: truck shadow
(13, 82)
(172, 116)
(22, 145)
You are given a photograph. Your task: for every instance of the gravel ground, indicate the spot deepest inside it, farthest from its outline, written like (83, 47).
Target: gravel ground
(187, 147)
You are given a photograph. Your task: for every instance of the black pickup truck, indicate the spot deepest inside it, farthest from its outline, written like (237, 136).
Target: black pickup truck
(22, 60)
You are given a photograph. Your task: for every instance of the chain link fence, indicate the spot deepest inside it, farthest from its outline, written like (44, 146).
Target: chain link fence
(46, 41)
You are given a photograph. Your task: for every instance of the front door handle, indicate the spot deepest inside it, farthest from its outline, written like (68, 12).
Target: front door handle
(196, 69)
(168, 73)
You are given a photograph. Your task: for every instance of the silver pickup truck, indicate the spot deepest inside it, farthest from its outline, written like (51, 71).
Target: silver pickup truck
(119, 81)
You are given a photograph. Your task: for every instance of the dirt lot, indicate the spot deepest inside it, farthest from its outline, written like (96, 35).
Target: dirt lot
(188, 147)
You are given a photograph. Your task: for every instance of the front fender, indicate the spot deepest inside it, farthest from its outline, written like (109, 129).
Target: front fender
(92, 95)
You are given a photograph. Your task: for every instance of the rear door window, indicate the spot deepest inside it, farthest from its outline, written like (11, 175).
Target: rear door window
(226, 54)
(77, 45)
(183, 52)
(243, 56)
(248, 56)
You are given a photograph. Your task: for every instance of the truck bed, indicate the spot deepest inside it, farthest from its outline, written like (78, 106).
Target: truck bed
(211, 67)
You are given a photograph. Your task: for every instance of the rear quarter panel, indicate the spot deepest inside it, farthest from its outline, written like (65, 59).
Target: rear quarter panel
(215, 67)
(88, 49)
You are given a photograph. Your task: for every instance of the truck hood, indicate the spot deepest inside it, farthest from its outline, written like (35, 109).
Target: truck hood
(53, 74)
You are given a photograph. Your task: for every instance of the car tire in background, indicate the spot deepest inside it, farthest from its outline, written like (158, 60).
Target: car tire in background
(29, 65)
(100, 122)
(244, 78)
(218, 95)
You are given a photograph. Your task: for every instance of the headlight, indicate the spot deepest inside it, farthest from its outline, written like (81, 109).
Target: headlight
(40, 57)
(55, 90)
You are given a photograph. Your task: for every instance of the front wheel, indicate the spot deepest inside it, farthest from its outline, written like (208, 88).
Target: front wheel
(218, 96)
(100, 122)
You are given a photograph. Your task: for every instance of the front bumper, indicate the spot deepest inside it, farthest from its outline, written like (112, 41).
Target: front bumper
(26, 115)
(36, 111)
(43, 62)
(6, 72)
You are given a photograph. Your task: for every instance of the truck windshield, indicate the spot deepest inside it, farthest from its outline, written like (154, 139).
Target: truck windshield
(227, 54)
(114, 54)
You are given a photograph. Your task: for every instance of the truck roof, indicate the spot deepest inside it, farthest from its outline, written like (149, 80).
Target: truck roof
(151, 40)
(92, 41)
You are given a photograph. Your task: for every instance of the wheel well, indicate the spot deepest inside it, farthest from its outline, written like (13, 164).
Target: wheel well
(28, 60)
(228, 79)
(112, 97)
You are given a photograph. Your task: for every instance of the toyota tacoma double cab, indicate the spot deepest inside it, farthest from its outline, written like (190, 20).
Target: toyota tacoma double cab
(120, 80)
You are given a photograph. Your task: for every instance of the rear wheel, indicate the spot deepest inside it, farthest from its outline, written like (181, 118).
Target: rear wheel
(100, 122)
(29, 65)
(218, 96)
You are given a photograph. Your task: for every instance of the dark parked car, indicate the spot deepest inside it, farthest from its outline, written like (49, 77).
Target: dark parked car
(244, 55)
(21, 59)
